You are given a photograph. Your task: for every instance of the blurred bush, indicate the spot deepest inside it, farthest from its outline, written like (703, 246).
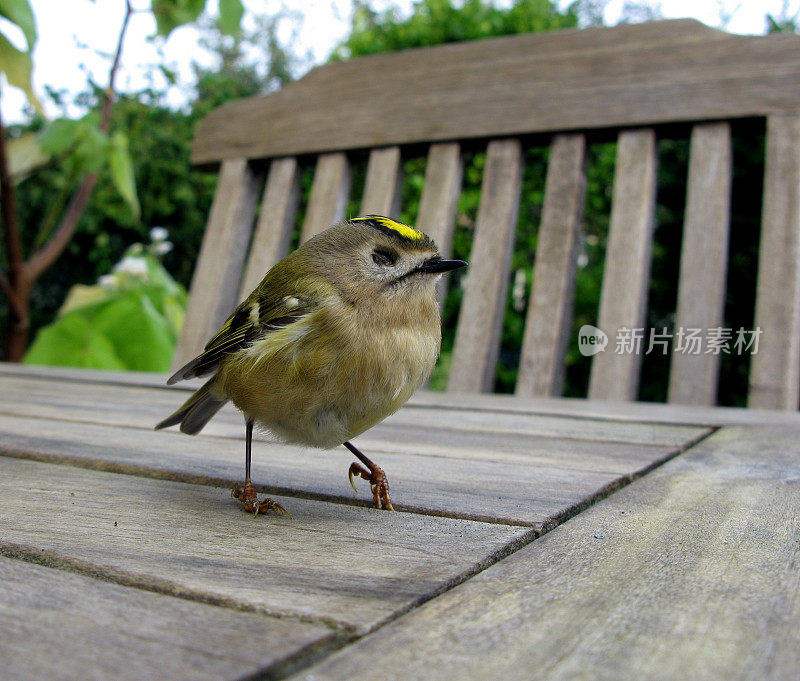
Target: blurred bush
(129, 320)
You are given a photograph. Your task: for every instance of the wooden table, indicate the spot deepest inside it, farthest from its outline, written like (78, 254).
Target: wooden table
(553, 539)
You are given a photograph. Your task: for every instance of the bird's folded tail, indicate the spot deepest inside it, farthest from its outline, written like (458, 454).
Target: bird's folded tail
(196, 411)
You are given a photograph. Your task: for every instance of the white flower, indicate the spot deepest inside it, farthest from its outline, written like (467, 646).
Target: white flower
(107, 281)
(158, 234)
(136, 267)
(162, 247)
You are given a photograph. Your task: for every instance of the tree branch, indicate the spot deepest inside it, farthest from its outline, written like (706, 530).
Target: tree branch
(17, 306)
(10, 215)
(47, 255)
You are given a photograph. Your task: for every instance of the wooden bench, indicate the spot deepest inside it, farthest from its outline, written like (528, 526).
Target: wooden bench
(503, 95)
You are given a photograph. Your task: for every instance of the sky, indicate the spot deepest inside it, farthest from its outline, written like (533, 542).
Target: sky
(71, 31)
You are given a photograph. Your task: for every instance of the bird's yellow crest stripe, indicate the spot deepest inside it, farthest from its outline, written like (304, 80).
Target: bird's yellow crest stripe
(403, 230)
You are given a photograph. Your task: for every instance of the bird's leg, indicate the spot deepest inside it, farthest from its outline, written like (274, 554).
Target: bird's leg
(376, 477)
(247, 495)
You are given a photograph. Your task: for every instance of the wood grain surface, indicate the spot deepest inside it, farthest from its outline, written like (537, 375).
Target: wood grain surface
(626, 76)
(64, 626)
(329, 563)
(687, 573)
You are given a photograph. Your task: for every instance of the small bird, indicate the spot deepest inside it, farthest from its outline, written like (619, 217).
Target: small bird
(336, 337)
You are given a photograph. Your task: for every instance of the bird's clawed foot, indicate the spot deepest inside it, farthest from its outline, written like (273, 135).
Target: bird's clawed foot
(377, 482)
(250, 503)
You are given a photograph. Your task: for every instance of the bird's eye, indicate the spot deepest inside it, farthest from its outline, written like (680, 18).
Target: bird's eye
(384, 257)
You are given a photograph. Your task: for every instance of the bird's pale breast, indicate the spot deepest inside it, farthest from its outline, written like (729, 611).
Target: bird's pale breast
(334, 374)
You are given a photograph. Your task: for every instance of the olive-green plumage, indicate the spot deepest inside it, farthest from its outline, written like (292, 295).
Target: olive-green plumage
(336, 337)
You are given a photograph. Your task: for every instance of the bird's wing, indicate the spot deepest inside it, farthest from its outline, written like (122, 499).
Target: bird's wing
(257, 316)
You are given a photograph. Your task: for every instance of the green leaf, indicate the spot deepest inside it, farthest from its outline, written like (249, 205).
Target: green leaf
(140, 336)
(19, 12)
(122, 170)
(174, 312)
(60, 136)
(169, 75)
(72, 341)
(17, 67)
(80, 296)
(25, 154)
(82, 138)
(230, 16)
(170, 14)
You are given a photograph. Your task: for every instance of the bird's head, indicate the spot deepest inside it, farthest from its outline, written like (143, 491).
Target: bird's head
(376, 258)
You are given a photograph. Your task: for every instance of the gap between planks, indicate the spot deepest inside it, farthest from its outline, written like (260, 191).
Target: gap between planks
(538, 528)
(387, 447)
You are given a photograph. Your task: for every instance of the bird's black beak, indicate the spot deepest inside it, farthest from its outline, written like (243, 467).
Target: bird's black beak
(436, 264)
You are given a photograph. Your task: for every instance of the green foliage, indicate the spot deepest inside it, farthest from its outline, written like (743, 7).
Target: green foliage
(170, 190)
(230, 15)
(121, 167)
(19, 12)
(16, 64)
(130, 321)
(170, 14)
(433, 22)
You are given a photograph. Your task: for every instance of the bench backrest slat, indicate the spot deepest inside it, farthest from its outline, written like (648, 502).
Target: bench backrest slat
(623, 301)
(383, 183)
(273, 233)
(215, 282)
(549, 320)
(477, 342)
(329, 194)
(704, 262)
(775, 371)
(439, 201)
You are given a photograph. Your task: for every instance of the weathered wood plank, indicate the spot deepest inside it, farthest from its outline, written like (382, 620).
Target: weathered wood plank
(688, 573)
(549, 319)
(382, 187)
(480, 320)
(623, 300)
(634, 412)
(141, 407)
(439, 201)
(60, 625)
(704, 261)
(273, 232)
(775, 369)
(329, 194)
(329, 562)
(624, 76)
(508, 478)
(215, 283)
